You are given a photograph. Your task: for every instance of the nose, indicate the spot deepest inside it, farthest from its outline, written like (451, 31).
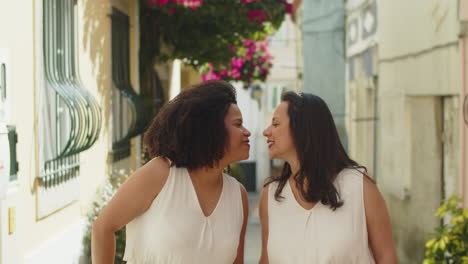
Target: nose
(266, 132)
(246, 132)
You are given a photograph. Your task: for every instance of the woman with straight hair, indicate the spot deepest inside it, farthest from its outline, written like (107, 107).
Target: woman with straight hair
(180, 207)
(323, 208)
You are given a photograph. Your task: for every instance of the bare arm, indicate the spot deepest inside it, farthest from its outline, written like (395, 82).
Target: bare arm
(378, 225)
(263, 213)
(240, 249)
(132, 199)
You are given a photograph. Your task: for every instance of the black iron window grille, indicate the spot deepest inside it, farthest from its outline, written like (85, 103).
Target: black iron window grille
(71, 117)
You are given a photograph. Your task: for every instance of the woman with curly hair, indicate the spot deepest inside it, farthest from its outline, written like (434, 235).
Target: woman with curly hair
(180, 207)
(323, 208)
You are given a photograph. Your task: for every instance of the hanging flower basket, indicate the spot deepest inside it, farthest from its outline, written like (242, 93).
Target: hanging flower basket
(251, 62)
(212, 31)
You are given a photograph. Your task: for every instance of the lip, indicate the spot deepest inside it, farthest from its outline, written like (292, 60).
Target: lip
(270, 143)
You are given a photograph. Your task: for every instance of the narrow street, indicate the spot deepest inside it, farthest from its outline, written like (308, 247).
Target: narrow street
(253, 240)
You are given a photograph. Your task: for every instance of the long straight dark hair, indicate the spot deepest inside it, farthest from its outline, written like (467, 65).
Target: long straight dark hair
(320, 152)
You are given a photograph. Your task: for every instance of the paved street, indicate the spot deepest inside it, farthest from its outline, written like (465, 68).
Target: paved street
(252, 238)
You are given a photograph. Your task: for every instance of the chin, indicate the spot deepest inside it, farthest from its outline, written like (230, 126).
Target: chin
(271, 155)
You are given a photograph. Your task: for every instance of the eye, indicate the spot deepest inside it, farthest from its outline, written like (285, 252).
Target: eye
(275, 125)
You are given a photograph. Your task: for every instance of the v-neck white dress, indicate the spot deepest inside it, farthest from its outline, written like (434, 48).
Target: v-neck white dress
(319, 235)
(174, 229)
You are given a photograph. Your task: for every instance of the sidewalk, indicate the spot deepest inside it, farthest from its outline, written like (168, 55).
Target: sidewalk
(253, 238)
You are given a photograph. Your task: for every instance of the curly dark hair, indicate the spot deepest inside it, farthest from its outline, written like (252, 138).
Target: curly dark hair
(189, 130)
(319, 149)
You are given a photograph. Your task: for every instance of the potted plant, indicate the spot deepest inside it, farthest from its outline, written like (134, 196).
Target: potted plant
(449, 244)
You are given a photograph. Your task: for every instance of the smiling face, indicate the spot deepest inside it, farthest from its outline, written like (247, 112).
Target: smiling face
(279, 136)
(238, 136)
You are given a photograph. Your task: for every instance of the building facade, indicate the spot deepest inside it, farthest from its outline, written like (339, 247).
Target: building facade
(71, 99)
(403, 108)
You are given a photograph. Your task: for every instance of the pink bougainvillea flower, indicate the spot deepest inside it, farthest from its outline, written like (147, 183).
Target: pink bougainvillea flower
(251, 62)
(258, 16)
(253, 48)
(211, 75)
(188, 3)
(171, 10)
(235, 74)
(237, 62)
(247, 1)
(288, 8)
(159, 2)
(223, 72)
(232, 48)
(192, 3)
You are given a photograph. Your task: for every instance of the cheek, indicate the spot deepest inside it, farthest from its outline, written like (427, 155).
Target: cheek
(284, 137)
(235, 137)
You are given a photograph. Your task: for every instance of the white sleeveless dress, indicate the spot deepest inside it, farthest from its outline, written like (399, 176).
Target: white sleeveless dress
(174, 229)
(319, 235)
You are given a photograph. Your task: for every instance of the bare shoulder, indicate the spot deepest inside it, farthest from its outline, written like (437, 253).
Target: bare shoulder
(263, 214)
(156, 164)
(149, 179)
(373, 199)
(263, 206)
(264, 192)
(155, 170)
(243, 191)
(135, 195)
(245, 199)
(369, 186)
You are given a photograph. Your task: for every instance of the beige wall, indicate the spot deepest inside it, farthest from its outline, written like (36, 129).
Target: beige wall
(285, 61)
(361, 117)
(19, 40)
(464, 94)
(412, 26)
(189, 77)
(419, 80)
(361, 84)
(463, 126)
(95, 71)
(25, 45)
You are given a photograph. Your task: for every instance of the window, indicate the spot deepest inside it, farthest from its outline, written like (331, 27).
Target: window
(13, 140)
(70, 118)
(275, 91)
(4, 113)
(3, 77)
(128, 119)
(5, 97)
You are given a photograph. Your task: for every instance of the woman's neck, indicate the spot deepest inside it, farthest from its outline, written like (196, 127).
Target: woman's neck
(206, 175)
(294, 164)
